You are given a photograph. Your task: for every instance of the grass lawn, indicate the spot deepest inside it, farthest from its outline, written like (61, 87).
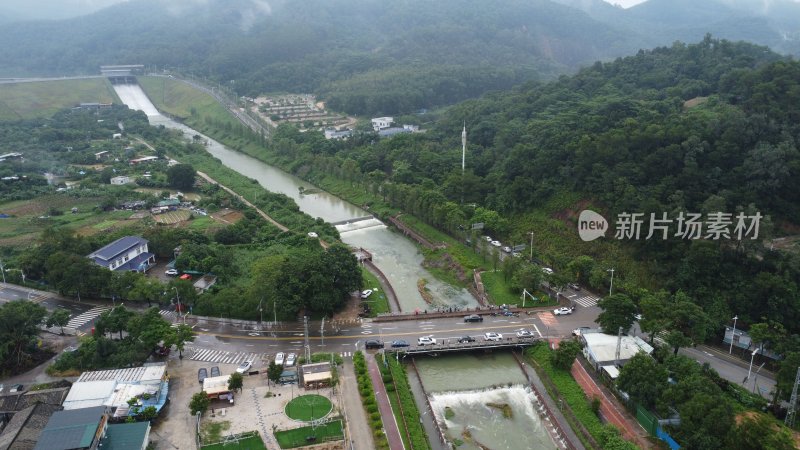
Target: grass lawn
(378, 302)
(498, 290)
(43, 99)
(297, 437)
(181, 99)
(308, 407)
(249, 443)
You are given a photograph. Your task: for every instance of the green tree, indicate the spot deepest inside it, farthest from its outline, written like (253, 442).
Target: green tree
(58, 316)
(756, 431)
(618, 312)
(274, 372)
(643, 379)
(527, 276)
(199, 403)
(565, 354)
(149, 413)
(179, 336)
(181, 176)
(235, 382)
(19, 326)
(581, 267)
(706, 422)
(688, 323)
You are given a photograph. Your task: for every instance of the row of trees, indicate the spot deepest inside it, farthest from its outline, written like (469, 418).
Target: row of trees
(123, 338)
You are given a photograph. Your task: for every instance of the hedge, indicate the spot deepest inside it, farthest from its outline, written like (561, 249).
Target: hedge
(368, 400)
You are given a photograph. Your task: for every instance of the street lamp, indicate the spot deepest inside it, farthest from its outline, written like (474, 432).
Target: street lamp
(2, 269)
(736, 317)
(751, 364)
(611, 286)
(260, 311)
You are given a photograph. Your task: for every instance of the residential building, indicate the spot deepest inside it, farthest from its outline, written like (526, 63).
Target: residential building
(126, 436)
(143, 160)
(78, 429)
(113, 389)
(127, 253)
(102, 155)
(23, 416)
(380, 123)
(411, 128)
(386, 132)
(331, 133)
(120, 180)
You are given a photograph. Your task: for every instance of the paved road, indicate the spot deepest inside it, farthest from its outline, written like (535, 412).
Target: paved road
(734, 369)
(357, 422)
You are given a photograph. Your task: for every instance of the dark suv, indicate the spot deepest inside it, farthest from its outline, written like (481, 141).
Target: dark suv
(215, 372)
(473, 318)
(202, 374)
(373, 343)
(464, 339)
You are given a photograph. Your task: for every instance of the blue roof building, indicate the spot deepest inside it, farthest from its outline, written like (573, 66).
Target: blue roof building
(127, 253)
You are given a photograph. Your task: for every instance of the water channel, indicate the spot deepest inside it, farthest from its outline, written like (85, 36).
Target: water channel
(489, 378)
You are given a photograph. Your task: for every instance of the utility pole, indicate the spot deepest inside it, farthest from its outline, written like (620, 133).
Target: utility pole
(730, 350)
(3, 269)
(531, 233)
(308, 347)
(322, 331)
(611, 286)
(275, 313)
(619, 347)
(790, 415)
(463, 149)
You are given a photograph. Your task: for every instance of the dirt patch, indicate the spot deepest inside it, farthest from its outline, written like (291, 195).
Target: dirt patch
(172, 217)
(691, 103)
(447, 263)
(229, 216)
(571, 215)
(351, 309)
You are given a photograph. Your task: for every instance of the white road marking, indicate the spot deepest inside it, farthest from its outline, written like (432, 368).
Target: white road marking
(537, 330)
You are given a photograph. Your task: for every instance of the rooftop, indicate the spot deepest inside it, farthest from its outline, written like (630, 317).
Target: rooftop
(144, 374)
(71, 429)
(89, 393)
(126, 436)
(603, 347)
(115, 248)
(23, 430)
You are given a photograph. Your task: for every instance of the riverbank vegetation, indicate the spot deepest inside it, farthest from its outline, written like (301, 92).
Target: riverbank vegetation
(51, 96)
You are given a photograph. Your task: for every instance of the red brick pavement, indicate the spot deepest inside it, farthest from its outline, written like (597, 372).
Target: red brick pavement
(385, 408)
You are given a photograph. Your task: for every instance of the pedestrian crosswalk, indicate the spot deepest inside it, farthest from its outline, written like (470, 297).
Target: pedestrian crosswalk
(224, 356)
(586, 300)
(232, 357)
(83, 318)
(167, 315)
(547, 318)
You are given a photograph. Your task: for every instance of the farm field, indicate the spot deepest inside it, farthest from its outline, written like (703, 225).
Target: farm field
(43, 99)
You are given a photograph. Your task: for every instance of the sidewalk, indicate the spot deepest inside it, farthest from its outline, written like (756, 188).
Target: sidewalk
(389, 421)
(356, 416)
(611, 410)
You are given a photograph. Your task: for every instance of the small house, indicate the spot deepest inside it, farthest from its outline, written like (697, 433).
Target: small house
(120, 180)
(127, 253)
(380, 123)
(316, 375)
(126, 436)
(75, 429)
(601, 349)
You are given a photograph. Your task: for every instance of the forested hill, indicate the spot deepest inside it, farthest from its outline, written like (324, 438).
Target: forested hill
(365, 56)
(688, 127)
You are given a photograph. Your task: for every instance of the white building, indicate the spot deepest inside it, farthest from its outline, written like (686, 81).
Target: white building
(122, 179)
(127, 253)
(601, 349)
(380, 123)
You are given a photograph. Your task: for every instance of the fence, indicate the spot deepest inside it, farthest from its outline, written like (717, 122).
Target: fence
(649, 422)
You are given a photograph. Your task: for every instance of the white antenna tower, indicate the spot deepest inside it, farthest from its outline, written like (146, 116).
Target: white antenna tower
(790, 415)
(463, 148)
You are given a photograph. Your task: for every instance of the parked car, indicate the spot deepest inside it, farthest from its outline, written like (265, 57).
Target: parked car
(464, 339)
(311, 234)
(373, 343)
(492, 336)
(16, 388)
(426, 340)
(507, 249)
(171, 272)
(637, 317)
(245, 366)
(367, 293)
(563, 311)
(279, 358)
(214, 371)
(399, 343)
(547, 270)
(523, 333)
(487, 238)
(517, 255)
(574, 286)
(290, 360)
(496, 243)
(202, 374)
(579, 331)
(473, 318)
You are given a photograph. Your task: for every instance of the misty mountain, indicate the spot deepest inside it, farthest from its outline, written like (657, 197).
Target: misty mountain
(369, 56)
(18, 10)
(774, 23)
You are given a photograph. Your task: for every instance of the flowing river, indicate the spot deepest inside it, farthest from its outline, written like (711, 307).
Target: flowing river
(397, 257)
(489, 403)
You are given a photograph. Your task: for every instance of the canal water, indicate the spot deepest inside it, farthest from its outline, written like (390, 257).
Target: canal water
(482, 400)
(393, 254)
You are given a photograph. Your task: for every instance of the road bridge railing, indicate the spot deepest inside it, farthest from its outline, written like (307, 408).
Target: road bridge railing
(439, 313)
(452, 345)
